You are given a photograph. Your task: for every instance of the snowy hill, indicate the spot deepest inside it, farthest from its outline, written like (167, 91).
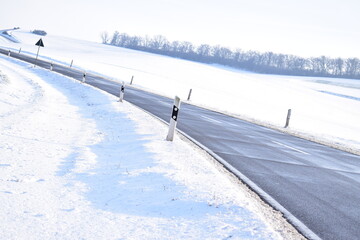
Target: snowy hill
(324, 109)
(77, 164)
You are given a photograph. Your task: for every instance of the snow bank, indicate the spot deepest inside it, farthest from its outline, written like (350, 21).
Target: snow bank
(76, 164)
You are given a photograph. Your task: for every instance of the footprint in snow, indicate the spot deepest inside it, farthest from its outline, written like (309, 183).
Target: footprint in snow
(68, 210)
(7, 192)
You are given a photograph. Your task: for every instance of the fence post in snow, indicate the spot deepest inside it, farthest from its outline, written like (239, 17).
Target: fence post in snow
(51, 66)
(173, 119)
(84, 77)
(288, 118)
(71, 63)
(189, 95)
(132, 78)
(122, 90)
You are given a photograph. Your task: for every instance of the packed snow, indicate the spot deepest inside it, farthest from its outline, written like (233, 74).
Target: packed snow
(323, 109)
(77, 164)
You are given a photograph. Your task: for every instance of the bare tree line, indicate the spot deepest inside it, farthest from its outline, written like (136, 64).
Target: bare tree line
(268, 62)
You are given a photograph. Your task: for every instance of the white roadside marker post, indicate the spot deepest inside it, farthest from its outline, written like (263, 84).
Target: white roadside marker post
(173, 119)
(189, 95)
(71, 63)
(84, 77)
(122, 90)
(51, 66)
(19, 50)
(9, 53)
(132, 78)
(288, 118)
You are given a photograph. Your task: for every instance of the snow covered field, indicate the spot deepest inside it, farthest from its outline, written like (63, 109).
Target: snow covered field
(324, 109)
(77, 164)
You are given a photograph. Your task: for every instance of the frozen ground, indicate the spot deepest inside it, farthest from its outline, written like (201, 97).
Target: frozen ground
(324, 109)
(77, 164)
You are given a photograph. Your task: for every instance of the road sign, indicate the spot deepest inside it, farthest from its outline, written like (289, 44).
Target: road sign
(40, 43)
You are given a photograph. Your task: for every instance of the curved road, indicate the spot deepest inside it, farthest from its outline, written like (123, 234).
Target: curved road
(4, 34)
(316, 187)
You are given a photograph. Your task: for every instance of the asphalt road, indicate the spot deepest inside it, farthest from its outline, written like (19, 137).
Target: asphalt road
(316, 187)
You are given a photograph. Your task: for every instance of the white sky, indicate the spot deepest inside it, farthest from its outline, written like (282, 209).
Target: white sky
(300, 27)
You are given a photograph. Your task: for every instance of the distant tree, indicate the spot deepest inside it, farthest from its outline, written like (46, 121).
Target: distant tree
(105, 38)
(268, 62)
(175, 46)
(134, 42)
(352, 67)
(114, 39)
(146, 42)
(300, 63)
(338, 66)
(123, 40)
(280, 61)
(315, 65)
(238, 56)
(204, 50)
(158, 42)
(186, 47)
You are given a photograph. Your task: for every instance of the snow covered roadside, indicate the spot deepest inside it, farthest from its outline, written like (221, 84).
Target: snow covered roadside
(76, 164)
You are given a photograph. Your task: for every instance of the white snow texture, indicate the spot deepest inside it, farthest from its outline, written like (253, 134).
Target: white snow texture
(77, 164)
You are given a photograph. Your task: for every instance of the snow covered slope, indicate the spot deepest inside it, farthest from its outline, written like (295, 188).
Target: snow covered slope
(77, 164)
(324, 108)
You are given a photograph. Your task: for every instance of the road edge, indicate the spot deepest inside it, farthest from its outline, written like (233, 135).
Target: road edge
(295, 222)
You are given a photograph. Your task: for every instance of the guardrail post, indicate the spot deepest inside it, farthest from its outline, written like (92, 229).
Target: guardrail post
(84, 77)
(132, 78)
(189, 95)
(173, 119)
(71, 63)
(122, 90)
(288, 118)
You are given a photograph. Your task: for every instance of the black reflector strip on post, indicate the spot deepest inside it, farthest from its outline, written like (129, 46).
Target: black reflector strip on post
(122, 88)
(175, 113)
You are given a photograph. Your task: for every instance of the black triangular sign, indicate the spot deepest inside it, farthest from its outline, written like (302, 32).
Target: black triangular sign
(40, 43)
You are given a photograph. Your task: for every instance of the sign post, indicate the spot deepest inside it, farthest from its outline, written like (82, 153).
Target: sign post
(173, 119)
(122, 91)
(288, 118)
(189, 94)
(84, 77)
(40, 44)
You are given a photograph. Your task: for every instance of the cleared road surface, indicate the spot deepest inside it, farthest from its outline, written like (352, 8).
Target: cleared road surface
(316, 187)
